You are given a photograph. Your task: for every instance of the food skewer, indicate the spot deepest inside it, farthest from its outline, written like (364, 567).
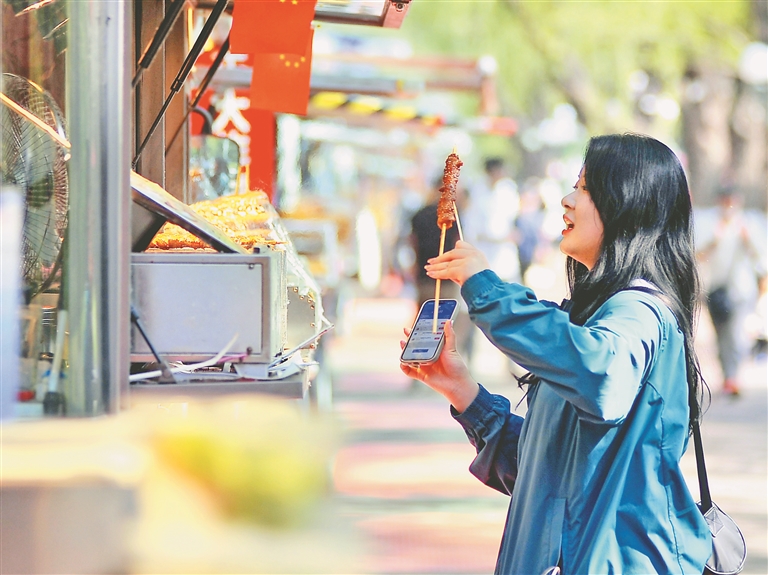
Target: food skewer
(437, 281)
(458, 221)
(446, 213)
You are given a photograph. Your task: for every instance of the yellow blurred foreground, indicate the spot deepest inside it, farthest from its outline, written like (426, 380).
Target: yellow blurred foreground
(232, 485)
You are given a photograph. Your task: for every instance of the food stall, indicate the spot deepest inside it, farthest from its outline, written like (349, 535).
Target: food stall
(220, 293)
(263, 336)
(127, 145)
(140, 288)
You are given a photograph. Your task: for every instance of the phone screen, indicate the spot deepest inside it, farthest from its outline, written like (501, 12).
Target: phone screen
(423, 345)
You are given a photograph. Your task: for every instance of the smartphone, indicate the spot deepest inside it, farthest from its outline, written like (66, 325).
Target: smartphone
(423, 346)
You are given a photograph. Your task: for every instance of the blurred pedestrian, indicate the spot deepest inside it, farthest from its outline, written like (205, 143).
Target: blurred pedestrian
(731, 263)
(760, 321)
(489, 219)
(528, 226)
(593, 470)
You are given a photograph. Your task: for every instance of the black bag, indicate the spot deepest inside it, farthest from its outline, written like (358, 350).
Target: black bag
(729, 550)
(719, 305)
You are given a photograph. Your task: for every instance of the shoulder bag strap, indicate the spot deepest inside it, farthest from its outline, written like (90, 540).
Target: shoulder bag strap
(706, 498)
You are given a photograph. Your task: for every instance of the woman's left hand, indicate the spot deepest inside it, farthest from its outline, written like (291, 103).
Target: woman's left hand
(448, 375)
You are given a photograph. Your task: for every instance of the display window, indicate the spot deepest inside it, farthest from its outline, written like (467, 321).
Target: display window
(35, 152)
(53, 254)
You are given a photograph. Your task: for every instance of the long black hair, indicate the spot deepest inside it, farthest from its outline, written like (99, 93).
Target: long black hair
(641, 193)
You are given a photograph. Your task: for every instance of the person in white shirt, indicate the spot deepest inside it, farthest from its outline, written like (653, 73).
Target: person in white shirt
(731, 261)
(489, 220)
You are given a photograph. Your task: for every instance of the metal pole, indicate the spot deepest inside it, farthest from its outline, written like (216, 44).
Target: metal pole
(97, 264)
(203, 86)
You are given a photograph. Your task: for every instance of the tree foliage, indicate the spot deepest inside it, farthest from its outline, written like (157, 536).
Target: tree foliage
(582, 52)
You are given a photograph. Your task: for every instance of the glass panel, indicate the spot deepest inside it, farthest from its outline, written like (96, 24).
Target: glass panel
(35, 156)
(63, 150)
(214, 164)
(358, 12)
(350, 7)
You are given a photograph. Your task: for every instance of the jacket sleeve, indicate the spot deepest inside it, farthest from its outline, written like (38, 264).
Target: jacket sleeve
(495, 433)
(597, 367)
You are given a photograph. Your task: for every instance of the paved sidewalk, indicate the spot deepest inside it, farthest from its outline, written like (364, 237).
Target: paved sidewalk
(401, 476)
(735, 438)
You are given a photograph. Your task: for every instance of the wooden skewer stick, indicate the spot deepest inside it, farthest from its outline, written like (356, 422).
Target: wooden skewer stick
(458, 221)
(437, 281)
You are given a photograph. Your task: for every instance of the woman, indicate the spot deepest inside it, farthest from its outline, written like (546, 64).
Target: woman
(593, 468)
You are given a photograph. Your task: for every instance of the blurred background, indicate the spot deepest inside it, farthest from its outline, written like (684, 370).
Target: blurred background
(367, 472)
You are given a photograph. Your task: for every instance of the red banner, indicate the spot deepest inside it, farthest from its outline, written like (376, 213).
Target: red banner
(261, 174)
(280, 82)
(271, 26)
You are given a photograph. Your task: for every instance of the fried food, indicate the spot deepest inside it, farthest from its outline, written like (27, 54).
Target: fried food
(243, 217)
(445, 211)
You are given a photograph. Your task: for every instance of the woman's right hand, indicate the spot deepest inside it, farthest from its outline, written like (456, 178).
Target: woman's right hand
(458, 264)
(448, 375)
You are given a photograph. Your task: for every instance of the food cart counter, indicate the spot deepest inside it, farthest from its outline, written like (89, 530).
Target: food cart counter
(221, 302)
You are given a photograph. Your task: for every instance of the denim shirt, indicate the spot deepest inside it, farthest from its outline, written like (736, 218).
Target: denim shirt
(593, 468)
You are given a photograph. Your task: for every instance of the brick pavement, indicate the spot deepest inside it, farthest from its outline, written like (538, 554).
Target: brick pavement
(401, 476)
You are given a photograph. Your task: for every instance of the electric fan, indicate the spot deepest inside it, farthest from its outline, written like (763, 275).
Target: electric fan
(34, 156)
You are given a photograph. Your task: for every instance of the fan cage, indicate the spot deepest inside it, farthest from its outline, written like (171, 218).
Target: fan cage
(37, 165)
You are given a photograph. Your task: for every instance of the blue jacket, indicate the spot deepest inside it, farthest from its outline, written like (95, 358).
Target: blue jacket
(593, 469)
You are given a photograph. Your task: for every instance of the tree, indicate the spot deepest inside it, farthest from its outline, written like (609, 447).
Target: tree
(623, 66)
